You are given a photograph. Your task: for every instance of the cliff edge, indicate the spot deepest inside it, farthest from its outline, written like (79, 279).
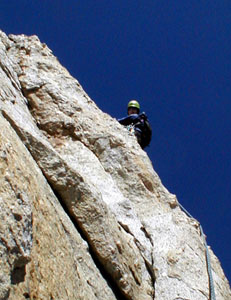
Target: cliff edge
(83, 214)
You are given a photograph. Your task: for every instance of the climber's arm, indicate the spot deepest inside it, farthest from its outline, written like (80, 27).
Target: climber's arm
(128, 120)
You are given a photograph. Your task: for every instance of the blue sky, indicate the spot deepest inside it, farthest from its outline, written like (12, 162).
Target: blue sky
(174, 57)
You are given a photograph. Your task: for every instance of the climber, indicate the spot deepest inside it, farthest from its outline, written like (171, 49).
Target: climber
(139, 122)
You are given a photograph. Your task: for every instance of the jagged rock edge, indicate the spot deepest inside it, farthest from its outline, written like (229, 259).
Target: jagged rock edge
(112, 283)
(118, 294)
(192, 249)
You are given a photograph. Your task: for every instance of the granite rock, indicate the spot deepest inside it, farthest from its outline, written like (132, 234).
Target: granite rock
(95, 220)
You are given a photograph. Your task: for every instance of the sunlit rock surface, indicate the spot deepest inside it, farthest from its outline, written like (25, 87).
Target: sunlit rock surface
(83, 213)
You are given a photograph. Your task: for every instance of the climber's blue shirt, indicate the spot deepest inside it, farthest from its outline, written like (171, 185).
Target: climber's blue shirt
(130, 119)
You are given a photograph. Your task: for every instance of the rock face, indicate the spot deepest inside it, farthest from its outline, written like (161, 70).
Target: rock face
(83, 214)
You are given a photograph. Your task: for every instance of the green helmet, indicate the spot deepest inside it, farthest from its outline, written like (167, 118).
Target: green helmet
(134, 103)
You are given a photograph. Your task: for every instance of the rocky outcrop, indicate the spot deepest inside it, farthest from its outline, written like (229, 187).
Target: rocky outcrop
(83, 213)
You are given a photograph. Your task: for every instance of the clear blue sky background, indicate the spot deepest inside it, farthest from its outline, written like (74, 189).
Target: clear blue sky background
(174, 56)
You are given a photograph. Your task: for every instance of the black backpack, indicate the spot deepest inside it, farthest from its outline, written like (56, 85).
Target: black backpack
(146, 130)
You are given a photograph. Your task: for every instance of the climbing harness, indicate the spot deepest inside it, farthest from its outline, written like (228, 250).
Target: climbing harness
(209, 269)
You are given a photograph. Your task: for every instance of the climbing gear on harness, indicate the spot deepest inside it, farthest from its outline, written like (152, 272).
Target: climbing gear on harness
(208, 261)
(131, 128)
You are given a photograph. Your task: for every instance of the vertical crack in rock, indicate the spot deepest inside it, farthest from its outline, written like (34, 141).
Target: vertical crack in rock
(147, 235)
(153, 234)
(99, 265)
(18, 272)
(150, 267)
(86, 206)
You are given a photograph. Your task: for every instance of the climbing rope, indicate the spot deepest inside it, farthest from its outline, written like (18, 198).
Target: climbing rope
(208, 261)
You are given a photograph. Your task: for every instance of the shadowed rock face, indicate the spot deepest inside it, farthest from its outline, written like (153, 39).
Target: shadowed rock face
(83, 214)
